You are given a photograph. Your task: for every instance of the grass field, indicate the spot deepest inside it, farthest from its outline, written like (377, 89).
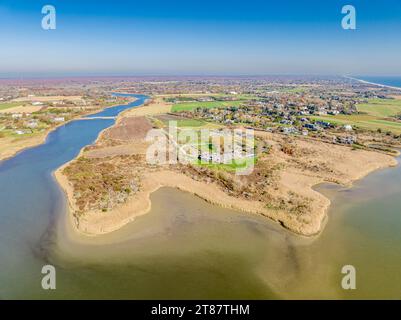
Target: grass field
(242, 164)
(8, 105)
(188, 106)
(190, 123)
(381, 107)
(363, 121)
(375, 114)
(6, 133)
(295, 89)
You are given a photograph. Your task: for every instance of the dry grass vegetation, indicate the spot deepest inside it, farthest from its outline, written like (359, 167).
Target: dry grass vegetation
(114, 169)
(101, 184)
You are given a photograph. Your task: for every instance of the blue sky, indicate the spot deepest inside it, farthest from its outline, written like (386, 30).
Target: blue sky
(197, 37)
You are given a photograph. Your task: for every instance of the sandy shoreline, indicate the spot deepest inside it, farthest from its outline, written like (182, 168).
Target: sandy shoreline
(15, 148)
(96, 223)
(12, 150)
(344, 166)
(374, 83)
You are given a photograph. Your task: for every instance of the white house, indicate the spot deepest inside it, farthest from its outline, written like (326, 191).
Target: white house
(32, 124)
(59, 119)
(347, 127)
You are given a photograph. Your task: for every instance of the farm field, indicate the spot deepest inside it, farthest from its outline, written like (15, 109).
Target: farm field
(188, 106)
(375, 114)
(363, 121)
(8, 105)
(381, 107)
(190, 123)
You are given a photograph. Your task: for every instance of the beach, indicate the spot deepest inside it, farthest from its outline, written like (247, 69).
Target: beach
(374, 83)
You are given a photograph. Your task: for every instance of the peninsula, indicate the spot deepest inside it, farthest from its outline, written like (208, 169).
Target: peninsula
(109, 184)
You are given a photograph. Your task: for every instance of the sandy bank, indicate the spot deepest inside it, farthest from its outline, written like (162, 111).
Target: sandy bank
(340, 165)
(154, 107)
(96, 222)
(9, 147)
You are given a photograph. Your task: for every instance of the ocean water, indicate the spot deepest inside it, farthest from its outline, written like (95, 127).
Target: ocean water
(394, 81)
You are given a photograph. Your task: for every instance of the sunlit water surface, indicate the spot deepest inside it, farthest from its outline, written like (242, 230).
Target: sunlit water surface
(187, 248)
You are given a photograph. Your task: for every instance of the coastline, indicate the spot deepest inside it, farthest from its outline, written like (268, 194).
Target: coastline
(96, 223)
(32, 143)
(41, 139)
(373, 83)
(349, 166)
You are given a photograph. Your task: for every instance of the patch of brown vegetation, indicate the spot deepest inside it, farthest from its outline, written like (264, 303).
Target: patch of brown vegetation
(101, 184)
(117, 150)
(129, 129)
(279, 187)
(153, 107)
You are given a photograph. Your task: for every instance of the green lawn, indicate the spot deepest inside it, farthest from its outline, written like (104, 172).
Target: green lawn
(12, 134)
(7, 105)
(242, 165)
(190, 123)
(295, 89)
(381, 107)
(188, 106)
(363, 121)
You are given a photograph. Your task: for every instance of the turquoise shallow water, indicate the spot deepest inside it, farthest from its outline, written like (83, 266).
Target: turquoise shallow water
(187, 248)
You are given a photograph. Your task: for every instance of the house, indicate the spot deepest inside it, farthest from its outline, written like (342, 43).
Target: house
(311, 126)
(288, 130)
(16, 115)
(59, 119)
(285, 121)
(20, 132)
(345, 140)
(216, 158)
(347, 127)
(324, 124)
(205, 99)
(204, 156)
(333, 112)
(32, 124)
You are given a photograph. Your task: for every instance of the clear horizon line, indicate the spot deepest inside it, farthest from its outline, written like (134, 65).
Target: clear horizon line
(222, 75)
